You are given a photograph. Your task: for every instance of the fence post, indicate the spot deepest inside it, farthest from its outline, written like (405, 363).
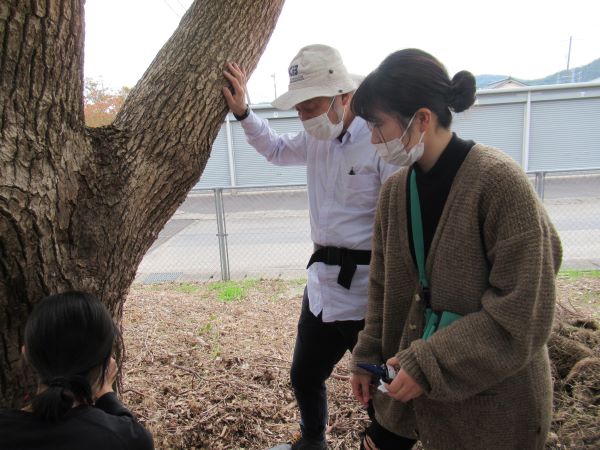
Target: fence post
(539, 183)
(526, 134)
(230, 152)
(222, 234)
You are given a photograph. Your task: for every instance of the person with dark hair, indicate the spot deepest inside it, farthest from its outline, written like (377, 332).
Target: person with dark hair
(462, 277)
(69, 340)
(344, 175)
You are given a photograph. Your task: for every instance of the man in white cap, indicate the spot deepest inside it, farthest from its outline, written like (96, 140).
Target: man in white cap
(344, 176)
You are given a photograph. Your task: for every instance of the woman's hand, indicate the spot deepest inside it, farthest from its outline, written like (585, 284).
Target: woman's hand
(402, 387)
(361, 387)
(109, 378)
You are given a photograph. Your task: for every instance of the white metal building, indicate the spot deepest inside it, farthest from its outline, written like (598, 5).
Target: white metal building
(544, 128)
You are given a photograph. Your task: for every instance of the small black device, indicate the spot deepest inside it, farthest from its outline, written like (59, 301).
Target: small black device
(380, 371)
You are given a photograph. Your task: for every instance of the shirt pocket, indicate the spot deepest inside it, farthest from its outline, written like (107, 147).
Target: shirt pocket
(361, 191)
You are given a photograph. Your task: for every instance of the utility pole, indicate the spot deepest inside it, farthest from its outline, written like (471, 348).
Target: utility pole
(569, 57)
(274, 84)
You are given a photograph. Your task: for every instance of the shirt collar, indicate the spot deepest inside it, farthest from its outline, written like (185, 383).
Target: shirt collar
(356, 128)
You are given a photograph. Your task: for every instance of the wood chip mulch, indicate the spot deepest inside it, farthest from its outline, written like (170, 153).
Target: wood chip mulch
(202, 372)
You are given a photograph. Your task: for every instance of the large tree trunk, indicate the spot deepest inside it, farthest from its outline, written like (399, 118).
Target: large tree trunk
(79, 207)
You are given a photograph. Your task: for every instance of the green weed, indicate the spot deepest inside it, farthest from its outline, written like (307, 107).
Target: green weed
(207, 327)
(575, 274)
(229, 291)
(211, 331)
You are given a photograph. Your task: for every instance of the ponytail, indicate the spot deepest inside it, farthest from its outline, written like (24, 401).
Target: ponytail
(62, 392)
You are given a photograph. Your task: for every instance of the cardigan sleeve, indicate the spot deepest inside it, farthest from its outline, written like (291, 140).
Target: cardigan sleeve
(368, 346)
(514, 323)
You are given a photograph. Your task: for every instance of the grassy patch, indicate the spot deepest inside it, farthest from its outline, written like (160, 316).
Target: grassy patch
(575, 274)
(230, 291)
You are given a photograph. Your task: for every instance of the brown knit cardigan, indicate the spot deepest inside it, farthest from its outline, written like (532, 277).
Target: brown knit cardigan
(493, 259)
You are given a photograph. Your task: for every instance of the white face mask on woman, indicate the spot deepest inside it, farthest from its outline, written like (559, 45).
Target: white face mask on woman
(321, 127)
(395, 152)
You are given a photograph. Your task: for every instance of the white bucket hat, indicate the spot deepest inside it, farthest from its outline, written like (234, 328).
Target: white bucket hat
(357, 79)
(316, 71)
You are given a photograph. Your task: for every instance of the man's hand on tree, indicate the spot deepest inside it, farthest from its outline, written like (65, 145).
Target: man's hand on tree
(236, 97)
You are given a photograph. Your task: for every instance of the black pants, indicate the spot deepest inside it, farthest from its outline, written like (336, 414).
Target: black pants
(319, 347)
(383, 438)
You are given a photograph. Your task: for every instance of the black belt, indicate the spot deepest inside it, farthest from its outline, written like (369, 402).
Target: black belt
(344, 257)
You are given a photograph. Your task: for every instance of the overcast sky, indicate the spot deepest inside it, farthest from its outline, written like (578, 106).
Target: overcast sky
(522, 38)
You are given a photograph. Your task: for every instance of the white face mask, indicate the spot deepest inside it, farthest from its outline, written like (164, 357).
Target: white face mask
(395, 152)
(321, 127)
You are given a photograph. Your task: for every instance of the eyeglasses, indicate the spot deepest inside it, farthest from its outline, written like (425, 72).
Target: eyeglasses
(376, 128)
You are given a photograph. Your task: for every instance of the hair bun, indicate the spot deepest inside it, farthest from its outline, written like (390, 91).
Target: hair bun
(462, 91)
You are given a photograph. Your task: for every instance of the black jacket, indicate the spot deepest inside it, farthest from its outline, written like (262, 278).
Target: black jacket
(106, 425)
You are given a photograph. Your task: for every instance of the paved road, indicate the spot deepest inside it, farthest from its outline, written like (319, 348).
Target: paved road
(268, 233)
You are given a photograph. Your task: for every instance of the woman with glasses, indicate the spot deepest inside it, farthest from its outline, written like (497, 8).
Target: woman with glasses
(462, 277)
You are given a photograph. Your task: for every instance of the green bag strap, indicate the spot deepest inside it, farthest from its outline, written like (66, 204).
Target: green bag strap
(417, 229)
(431, 317)
(433, 320)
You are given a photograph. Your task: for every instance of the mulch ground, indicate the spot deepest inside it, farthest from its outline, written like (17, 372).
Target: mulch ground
(202, 372)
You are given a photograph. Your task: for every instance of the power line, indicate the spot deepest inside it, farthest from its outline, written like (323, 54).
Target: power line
(171, 8)
(182, 5)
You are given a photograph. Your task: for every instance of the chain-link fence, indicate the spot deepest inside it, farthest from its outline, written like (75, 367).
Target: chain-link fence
(264, 232)
(573, 202)
(223, 233)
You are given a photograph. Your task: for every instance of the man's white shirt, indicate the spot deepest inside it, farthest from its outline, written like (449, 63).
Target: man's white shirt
(343, 179)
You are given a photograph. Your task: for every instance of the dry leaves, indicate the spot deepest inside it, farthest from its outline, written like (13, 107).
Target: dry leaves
(205, 373)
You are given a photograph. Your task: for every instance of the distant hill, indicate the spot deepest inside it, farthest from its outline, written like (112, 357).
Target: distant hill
(580, 74)
(486, 80)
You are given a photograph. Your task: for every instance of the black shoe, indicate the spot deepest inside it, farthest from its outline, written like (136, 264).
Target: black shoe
(299, 443)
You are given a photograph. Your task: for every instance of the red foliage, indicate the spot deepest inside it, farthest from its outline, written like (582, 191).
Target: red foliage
(102, 104)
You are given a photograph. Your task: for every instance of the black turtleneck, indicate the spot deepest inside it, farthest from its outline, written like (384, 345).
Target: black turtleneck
(434, 187)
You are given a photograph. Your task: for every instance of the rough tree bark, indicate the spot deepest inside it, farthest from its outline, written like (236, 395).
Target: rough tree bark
(79, 207)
